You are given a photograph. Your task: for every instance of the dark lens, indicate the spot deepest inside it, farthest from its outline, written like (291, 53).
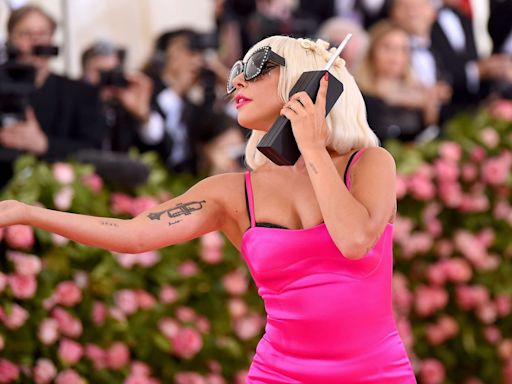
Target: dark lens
(235, 71)
(254, 65)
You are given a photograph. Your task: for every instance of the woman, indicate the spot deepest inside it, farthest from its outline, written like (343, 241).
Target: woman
(317, 236)
(398, 105)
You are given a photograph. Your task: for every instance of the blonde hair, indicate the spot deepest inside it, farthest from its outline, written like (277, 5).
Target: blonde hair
(367, 76)
(346, 122)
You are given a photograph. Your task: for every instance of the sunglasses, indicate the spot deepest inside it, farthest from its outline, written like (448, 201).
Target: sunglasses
(262, 60)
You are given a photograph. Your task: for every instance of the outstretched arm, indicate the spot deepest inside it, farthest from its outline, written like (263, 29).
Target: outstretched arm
(196, 212)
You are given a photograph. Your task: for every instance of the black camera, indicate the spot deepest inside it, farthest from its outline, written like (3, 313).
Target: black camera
(113, 78)
(16, 84)
(45, 50)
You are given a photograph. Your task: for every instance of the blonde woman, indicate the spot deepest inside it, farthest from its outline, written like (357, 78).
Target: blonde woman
(398, 105)
(316, 236)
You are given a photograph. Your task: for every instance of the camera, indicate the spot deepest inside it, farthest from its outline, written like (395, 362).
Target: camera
(113, 78)
(16, 84)
(45, 50)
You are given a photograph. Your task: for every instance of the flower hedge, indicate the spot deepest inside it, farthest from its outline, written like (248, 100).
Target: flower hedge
(190, 313)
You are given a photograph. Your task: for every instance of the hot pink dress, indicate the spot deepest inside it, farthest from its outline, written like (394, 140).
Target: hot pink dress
(329, 318)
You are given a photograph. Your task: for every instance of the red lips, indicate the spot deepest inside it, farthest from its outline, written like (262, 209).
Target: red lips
(241, 100)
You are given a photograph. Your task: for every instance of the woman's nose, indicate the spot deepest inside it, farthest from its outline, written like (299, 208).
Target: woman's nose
(239, 81)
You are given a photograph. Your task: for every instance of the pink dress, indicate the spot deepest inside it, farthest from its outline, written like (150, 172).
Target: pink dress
(329, 318)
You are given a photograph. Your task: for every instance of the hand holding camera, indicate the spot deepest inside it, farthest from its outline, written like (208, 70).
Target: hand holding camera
(25, 135)
(136, 95)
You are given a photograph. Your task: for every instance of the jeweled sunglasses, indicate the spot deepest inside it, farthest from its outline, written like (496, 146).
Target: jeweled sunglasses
(261, 61)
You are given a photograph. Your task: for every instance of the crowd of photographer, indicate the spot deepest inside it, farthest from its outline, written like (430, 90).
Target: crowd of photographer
(415, 61)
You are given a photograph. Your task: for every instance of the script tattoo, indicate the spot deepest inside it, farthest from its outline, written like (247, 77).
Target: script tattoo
(109, 224)
(181, 209)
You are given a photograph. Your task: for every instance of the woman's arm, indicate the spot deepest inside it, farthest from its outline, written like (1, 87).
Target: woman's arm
(356, 218)
(196, 212)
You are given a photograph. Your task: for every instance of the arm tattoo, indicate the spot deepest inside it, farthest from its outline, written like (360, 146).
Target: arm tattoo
(109, 224)
(313, 168)
(181, 209)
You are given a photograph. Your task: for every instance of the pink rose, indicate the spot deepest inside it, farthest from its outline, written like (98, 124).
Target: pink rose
(126, 260)
(67, 293)
(469, 172)
(44, 371)
(99, 313)
(188, 268)
(169, 327)
(430, 299)
(241, 377)
(8, 371)
(25, 264)
(237, 308)
(139, 368)
(490, 137)
(126, 301)
(478, 154)
(444, 248)
(63, 199)
(185, 314)
(448, 326)
(63, 173)
(432, 371)
(168, 294)
(70, 351)
(69, 376)
(502, 110)
(97, 355)
(248, 327)
(93, 181)
(23, 286)
(142, 204)
(404, 329)
(186, 343)
(492, 334)
(48, 331)
(458, 270)
(451, 151)
(16, 318)
(495, 170)
(189, 378)
(118, 355)
(447, 171)
(68, 324)
(214, 378)
(421, 187)
(148, 259)
(436, 274)
(235, 283)
(450, 193)
(203, 324)
(211, 247)
(121, 203)
(487, 313)
(505, 349)
(20, 236)
(434, 334)
(503, 305)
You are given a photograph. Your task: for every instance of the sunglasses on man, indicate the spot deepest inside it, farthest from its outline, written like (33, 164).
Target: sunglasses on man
(262, 60)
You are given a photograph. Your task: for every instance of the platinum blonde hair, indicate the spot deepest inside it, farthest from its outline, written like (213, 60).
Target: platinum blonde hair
(346, 122)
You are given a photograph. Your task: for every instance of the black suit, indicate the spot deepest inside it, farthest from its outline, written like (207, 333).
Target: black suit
(455, 62)
(500, 26)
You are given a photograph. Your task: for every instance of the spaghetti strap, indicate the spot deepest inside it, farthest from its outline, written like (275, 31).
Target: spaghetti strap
(249, 199)
(353, 159)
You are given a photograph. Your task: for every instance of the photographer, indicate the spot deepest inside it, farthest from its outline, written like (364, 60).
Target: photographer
(125, 97)
(62, 116)
(185, 114)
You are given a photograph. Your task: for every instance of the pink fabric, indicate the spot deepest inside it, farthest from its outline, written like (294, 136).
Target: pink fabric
(329, 318)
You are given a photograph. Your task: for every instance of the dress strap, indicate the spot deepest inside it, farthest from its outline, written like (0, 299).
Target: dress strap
(249, 199)
(351, 161)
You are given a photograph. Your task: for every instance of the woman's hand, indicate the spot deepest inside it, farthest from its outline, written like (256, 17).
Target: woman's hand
(308, 119)
(12, 212)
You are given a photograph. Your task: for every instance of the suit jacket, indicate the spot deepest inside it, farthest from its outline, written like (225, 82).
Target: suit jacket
(454, 62)
(499, 24)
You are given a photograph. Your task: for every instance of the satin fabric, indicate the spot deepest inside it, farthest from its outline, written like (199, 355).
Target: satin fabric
(329, 318)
